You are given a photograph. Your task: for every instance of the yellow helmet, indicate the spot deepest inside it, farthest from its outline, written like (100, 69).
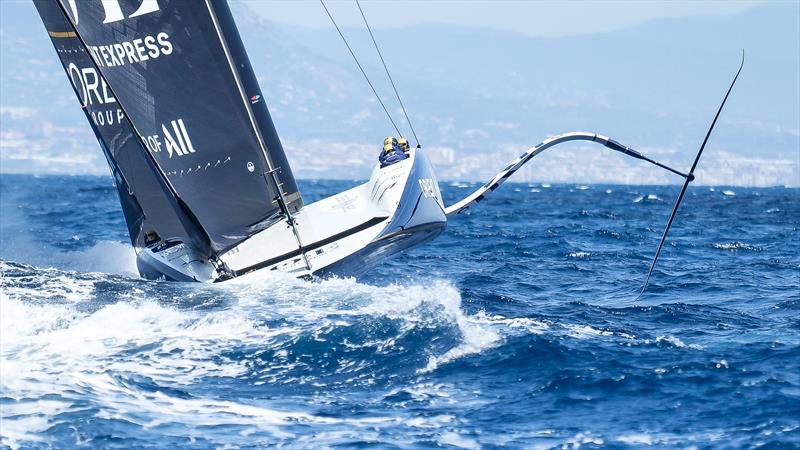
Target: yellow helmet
(389, 143)
(402, 143)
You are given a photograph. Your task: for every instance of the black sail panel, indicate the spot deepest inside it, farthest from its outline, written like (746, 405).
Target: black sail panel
(149, 208)
(170, 65)
(261, 114)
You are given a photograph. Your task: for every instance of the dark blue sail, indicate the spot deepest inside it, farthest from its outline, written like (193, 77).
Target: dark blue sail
(179, 71)
(151, 211)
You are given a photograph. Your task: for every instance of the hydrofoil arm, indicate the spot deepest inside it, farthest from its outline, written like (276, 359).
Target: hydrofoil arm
(504, 174)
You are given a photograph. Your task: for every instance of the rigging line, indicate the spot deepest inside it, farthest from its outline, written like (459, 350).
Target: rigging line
(387, 72)
(689, 179)
(362, 69)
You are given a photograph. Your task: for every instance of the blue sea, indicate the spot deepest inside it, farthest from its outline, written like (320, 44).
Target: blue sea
(519, 327)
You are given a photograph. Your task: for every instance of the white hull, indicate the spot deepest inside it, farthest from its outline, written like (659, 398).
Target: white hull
(345, 234)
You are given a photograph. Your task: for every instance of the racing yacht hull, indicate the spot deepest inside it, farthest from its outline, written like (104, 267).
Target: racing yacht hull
(343, 235)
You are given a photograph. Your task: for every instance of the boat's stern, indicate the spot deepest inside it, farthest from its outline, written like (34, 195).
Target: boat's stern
(411, 190)
(349, 233)
(420, 206)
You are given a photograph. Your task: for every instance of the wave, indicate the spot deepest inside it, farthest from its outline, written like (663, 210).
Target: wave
(736, 245)
(109, 257)
(649, 198)
(134, 349)
(579, 255)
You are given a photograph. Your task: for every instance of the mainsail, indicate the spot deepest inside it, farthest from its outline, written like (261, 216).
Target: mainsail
(151, 211)
(179, 71)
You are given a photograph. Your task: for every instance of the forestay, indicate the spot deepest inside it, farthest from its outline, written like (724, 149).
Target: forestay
(180, 72)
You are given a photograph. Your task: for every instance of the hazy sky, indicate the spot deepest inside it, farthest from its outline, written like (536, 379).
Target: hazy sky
(541, 18)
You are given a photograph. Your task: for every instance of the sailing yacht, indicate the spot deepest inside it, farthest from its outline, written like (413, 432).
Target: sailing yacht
(205, 186)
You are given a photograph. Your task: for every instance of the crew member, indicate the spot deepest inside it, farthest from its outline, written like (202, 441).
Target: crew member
(403, 144)
(391, 152)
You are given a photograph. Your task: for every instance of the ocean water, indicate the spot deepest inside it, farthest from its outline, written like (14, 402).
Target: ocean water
(518, 327)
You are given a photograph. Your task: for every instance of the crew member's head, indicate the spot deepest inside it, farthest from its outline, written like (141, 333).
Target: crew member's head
(403, 143)
(389, 143)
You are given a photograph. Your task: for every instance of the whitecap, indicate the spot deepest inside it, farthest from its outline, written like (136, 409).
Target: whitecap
(635, 439)
(585, 331)
(676, 342)
(67, 350)
(735, 246)
(648, 197)
(579, 255)
(525, 324)
(475, 338)
(457, 440)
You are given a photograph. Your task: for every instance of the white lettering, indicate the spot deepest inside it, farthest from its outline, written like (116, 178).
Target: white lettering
(91, 86)
(153, 143)
(74, 9)
(130, 52)
(77, 79)
(113, 11)
(172, 147)
(150, 43)
(109, 117)
(185, 135)
(120, 52)
(166, 45)
(179, 135)
(95, 55)
(107, 97)
(135, 51)
(137, 43)
(428, 187)
(181, 144)
(147, 7)
(108, 56)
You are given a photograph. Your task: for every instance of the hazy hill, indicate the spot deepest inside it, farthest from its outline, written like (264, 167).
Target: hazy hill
(476, 96)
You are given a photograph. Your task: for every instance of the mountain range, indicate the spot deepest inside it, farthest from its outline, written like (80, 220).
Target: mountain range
(476, 97)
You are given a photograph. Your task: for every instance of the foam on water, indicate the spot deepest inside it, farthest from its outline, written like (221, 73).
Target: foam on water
(734, 246)
(518, 327)
(65, 345)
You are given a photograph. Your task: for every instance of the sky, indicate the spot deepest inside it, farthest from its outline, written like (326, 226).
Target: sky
(620, 68)
(536, 18)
